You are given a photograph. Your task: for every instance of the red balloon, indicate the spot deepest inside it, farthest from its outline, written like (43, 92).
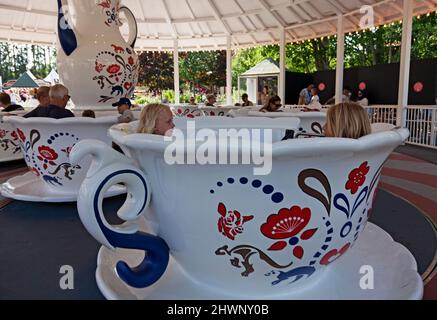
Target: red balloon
(322, 86)
(418, 87)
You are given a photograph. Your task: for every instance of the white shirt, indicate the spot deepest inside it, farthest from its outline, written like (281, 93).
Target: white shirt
(364, 102)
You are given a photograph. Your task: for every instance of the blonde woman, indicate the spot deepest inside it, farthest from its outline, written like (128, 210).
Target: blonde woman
(347, 120)
(156, 119)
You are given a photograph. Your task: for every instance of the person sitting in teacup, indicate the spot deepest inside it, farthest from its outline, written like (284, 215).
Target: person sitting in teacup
(347, 120)
(156, 119)
(43, 97)
(210, 100)
(246, 101)
(57, 108)
(192, 102)
(6, 104)
(273, 106)
(314, 105)
(124, 108)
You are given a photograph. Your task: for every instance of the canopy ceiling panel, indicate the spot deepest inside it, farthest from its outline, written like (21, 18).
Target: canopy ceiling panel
(205, 24)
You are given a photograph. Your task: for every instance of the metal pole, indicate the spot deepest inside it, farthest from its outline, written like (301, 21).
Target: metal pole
(340, 61)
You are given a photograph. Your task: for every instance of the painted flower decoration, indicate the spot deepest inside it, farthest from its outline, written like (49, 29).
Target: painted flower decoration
(231, 223)
(14, 135)
(21, 135)
(288, 224)
(128, 85)
(333, 255)
(131, 61)
(47, 155)
(2, 133)
(113, 68)
(105, 4)
(67, 150)
(99, 67)
(357, 177)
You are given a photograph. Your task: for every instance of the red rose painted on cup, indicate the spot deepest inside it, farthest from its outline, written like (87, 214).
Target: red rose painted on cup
(114, 68)
(231, 222)
(357, 177)
(2, 133)
(47, 155)
(131, 61)
(288, 224)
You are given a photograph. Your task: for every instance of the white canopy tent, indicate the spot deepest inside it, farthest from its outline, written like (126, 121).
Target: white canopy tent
(228, 24)
(52, 77)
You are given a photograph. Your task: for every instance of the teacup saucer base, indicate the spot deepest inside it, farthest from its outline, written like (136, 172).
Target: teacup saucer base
(29, 187)
(393, 267)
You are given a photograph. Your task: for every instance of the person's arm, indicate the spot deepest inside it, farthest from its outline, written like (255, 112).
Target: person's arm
(301, 101)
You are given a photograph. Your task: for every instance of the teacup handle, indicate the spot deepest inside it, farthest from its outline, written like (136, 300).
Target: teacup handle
(109, 168)
(133, 26)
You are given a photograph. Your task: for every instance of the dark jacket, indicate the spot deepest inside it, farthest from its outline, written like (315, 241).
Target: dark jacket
(13, 107)
(51, 111)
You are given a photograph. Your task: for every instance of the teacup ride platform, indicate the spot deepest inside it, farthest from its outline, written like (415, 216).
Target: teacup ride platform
(338, 255)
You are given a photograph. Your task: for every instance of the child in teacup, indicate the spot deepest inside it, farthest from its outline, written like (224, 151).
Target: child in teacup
(124, 108)
(347, 120)
(156, 119)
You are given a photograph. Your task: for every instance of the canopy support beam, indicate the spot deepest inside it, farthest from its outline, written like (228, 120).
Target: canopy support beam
(228, 71)
(282, 73)
(404, 77)
(339, 78)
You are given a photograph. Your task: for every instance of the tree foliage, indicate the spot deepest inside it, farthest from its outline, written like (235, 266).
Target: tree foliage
(156, 70)
(17, 59)
(365, 48)
(206, 68)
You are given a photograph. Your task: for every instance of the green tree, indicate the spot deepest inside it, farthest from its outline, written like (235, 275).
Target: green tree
(156, 70)
(206, 68)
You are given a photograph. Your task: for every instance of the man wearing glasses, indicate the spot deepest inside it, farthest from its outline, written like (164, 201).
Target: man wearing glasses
(56, 109)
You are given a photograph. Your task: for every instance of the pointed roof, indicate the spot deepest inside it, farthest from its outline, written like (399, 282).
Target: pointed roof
(27, 80)
(265, 67)
(52, 77)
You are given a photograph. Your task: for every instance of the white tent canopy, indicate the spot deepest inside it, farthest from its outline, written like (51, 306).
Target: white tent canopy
(52, 77)
(205, 24)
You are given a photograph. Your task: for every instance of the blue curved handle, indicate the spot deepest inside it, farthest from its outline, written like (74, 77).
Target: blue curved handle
(157, 255)
(67, 38)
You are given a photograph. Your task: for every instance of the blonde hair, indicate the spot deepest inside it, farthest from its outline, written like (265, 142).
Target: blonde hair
(148, 117)
(42, 92)
(348, 120)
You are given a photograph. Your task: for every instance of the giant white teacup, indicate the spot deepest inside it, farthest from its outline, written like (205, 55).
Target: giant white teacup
(46, 144)
(231, 231)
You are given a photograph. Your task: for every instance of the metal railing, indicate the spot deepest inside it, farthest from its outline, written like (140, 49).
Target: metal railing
(420, 120)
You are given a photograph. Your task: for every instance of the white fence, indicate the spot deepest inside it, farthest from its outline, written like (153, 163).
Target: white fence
(420, 120)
